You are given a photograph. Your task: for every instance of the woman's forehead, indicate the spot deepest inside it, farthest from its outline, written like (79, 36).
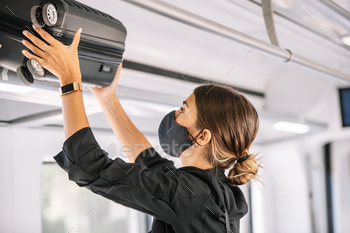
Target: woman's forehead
(189, 100)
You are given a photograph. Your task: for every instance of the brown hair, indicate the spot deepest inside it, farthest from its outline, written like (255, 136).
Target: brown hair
(233, 123)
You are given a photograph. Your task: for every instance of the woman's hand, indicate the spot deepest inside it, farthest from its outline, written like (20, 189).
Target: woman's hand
(103, 94)
(60, 60)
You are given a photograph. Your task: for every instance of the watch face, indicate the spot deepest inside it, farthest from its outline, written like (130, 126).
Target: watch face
(75, 86)
(67, 88)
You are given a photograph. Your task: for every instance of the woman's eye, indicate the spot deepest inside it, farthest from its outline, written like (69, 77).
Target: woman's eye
(182, 110)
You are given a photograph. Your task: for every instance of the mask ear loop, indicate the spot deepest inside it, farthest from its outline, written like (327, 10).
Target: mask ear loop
(194, 138)
(194, 148)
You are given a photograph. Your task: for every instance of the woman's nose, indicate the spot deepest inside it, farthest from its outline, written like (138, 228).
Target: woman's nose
(176, 114)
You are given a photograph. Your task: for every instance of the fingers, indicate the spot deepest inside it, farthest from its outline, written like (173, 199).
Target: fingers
(36, 50)
(44, 58)
(119, 68)
(30, 56)
(46, 36)
(39, 43)
(117, 74)
(76, 39)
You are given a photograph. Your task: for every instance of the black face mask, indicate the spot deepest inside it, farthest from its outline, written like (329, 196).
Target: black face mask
(173, 138)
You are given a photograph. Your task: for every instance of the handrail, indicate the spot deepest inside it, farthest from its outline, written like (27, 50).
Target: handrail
(199, 22)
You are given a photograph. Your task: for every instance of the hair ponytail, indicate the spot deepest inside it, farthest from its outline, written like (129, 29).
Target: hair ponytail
(241, 173)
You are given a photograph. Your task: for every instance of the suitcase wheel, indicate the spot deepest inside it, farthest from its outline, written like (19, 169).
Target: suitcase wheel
(35, 68)
(49, 13)
(36, 16)
(25, 76)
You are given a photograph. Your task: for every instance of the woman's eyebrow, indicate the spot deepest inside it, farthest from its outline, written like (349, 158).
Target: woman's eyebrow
(184, 102)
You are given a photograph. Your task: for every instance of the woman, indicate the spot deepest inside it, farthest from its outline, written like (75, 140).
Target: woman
(197, 197)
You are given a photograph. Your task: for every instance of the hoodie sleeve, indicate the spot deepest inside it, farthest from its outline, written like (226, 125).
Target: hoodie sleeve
(130, 184)
(154, 162)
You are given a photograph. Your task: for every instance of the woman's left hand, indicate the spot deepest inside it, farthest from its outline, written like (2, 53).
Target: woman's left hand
(62, 61)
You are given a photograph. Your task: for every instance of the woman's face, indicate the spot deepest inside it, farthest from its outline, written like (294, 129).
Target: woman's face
(187, 116)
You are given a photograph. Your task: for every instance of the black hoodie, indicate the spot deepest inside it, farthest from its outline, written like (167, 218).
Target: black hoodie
(188, 199)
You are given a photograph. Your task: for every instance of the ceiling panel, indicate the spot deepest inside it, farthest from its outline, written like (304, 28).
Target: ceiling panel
(11, 110)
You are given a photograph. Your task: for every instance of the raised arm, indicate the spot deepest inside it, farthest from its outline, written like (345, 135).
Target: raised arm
(132, 141)
(63, 62)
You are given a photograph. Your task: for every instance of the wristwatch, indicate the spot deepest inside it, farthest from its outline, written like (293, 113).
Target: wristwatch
(75, 86)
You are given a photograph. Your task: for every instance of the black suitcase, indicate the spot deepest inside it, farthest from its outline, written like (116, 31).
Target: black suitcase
(101, 46)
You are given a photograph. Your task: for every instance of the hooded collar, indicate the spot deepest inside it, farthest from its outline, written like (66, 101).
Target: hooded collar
(225, 196)
(218, 173)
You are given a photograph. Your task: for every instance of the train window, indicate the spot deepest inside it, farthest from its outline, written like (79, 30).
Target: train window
(345, 106)
(66, 207)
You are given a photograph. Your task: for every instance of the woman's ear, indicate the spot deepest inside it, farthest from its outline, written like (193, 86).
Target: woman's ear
(204, 137)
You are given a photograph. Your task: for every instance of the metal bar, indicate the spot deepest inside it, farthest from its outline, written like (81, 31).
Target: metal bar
(250, 207)
(308, 171)
(328, 179)
(213, 27)
(266, 6)
(299, 24)
(334, 6)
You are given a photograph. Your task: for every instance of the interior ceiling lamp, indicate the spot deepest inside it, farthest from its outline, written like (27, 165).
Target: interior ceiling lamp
(346, 40)
(15, 88)
(291, 127)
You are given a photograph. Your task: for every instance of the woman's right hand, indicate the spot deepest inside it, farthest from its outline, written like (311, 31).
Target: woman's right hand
(103, 94)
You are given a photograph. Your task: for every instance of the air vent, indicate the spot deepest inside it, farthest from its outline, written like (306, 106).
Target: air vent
(84, 7)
